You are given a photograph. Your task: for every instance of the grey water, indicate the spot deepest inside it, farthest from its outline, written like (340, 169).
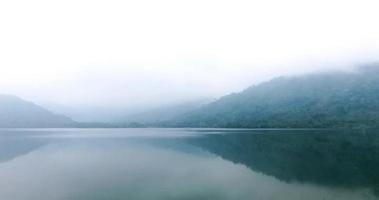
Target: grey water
(164, 164)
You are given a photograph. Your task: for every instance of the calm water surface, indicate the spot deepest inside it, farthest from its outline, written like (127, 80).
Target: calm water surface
(164, 164)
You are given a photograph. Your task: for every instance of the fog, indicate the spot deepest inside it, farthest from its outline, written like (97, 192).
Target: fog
(129, 55)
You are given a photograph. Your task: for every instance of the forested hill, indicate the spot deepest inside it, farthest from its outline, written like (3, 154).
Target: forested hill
(312, 101)
(18, 113)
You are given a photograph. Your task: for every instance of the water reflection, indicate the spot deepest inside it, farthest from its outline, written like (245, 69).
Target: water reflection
(335, 158)
(12, 146)
(70, 165)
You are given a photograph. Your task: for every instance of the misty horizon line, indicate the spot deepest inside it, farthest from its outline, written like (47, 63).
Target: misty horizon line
(111, 113)
(355, 68)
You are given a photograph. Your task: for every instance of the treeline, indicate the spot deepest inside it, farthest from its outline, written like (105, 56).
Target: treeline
(329, 100)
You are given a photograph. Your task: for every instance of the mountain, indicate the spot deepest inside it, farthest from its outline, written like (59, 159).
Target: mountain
(328, 100)
(18, 113)
(164, 113)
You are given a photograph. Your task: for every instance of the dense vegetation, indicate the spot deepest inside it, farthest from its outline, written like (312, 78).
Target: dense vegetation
(312, 101)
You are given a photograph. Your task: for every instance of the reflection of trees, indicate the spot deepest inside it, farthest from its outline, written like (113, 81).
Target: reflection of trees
(329, 158)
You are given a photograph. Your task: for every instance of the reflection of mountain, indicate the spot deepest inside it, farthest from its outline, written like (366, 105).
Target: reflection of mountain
(12, 147)
(327, 158)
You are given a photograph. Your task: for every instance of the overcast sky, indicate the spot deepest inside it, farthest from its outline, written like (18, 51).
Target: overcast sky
(133, 53)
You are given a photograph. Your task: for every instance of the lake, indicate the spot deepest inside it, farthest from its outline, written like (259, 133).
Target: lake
(188, 164)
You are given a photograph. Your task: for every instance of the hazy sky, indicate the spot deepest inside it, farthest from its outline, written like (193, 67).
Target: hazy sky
(133, 53)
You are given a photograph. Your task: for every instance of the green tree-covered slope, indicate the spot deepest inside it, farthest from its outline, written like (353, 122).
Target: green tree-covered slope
(312, 101)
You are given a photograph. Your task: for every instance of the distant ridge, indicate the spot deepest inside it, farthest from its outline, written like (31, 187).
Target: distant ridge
(18, 113)
(328, 100)
(164, 113)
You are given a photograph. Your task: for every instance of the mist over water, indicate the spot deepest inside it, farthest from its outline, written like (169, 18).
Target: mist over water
(154, 164)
